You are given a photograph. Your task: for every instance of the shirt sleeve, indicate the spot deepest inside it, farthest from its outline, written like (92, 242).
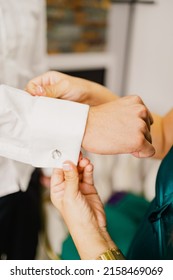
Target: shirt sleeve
(40, 131)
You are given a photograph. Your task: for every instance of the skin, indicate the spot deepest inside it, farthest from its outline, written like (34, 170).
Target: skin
(162, 134)
(58, 85)
(110, 118)
(73, 193)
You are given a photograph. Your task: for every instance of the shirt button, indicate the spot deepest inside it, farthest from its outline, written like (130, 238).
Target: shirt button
(56, 154)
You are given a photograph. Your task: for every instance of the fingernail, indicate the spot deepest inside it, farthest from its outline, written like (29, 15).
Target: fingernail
(66, 167)
(40, 90)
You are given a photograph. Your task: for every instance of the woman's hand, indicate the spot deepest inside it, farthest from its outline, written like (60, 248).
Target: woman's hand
(59, 85)
(74, 195)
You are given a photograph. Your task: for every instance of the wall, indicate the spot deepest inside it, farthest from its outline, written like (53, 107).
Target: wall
(150, 68)
(117, 36)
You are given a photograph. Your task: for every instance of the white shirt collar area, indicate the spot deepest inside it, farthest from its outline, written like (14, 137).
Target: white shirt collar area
(40, 131)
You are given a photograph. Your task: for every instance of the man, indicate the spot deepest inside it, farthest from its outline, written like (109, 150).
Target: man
(22, 56)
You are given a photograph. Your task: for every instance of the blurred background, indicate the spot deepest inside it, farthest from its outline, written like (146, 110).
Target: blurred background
(126, 46)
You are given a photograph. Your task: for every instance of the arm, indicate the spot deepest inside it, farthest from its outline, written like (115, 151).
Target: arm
(162, 133)
(110, 118)
(74, 195)
(62, 86)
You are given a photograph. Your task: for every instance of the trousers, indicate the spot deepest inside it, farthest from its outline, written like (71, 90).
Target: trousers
(20, 221)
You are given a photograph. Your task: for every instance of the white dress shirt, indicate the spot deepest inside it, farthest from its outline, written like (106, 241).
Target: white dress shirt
(22, 41)
(22, 57)
(23, 135)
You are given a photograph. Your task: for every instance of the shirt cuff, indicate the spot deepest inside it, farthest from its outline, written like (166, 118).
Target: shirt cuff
(40, 131)
(56, 131)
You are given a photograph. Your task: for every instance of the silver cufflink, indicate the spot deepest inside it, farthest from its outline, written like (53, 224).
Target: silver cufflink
(56, 154)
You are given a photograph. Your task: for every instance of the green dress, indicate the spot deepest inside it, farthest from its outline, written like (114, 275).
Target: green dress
(154, 238)
(124, 212)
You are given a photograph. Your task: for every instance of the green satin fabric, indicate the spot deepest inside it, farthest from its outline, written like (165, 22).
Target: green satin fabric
(123, 219)
(154, 238)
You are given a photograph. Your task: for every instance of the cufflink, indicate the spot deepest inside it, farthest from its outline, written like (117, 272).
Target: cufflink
(56, 154)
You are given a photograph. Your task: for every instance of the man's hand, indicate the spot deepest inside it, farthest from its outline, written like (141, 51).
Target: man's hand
(121, 126)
